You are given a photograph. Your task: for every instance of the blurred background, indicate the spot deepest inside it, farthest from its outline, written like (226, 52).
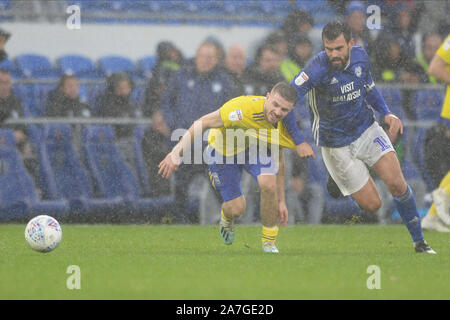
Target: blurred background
(90, 92)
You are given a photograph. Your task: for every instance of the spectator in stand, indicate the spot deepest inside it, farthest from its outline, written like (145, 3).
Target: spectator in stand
(64, 100)
(403, 26)
(4, 36)
(264, 72)
(299, 53)
(297, 22)
(279, 41)
(11, 108)
(235, 62)
(430, 44)
(219, 46)
(116, 103)
(194, 90)
(392, 65)
(155, 141)
(356, 19)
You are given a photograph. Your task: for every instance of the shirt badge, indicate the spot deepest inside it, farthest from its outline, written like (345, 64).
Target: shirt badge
(301, 79)
(236, 115)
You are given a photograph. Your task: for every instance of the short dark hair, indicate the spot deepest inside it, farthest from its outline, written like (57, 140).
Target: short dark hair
(334, 29)
(285, 90)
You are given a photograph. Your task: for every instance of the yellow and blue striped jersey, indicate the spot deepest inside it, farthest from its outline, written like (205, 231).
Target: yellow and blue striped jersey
(245, 123)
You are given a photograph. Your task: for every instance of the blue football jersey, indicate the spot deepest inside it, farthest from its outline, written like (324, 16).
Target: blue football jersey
(339, 113)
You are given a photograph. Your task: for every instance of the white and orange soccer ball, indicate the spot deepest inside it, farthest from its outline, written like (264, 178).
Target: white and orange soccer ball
(43, 233)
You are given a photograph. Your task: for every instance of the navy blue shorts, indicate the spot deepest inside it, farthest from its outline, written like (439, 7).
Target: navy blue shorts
(226, 176)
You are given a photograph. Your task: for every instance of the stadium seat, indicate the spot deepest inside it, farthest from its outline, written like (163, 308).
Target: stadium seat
(25, 93)
(394, 100)
(146, 64)
(34, 65)
(66, 178)
(427, 104)
(7, 64)
(40, 93)
(77, 65)
(112, 176)
(141, 168)
(138, 94)
(112, 64)
(17, 189)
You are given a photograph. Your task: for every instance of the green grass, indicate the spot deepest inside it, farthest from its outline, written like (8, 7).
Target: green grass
(191, 262)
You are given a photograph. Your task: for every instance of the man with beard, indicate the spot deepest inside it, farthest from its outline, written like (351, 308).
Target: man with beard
(340, 89)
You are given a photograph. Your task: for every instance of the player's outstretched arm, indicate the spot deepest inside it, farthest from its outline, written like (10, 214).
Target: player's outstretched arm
(173, 160)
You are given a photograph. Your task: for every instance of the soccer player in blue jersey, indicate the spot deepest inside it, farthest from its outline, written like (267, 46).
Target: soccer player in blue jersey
(342, 96)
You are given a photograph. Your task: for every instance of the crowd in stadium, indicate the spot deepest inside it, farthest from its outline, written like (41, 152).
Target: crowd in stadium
(174, 91)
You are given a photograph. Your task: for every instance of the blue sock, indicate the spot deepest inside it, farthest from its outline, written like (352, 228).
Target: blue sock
(406, 206)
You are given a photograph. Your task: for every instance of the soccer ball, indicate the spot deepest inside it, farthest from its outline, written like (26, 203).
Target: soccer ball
(43, 233)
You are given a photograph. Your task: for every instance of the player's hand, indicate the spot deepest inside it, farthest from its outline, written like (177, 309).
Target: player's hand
(170, 164)
(282, 213)
(395, 124)
(304, 150)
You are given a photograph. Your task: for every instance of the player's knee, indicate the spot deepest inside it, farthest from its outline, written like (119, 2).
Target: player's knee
(397, 187)
(373, 205)
(235, 209)
(268, 186)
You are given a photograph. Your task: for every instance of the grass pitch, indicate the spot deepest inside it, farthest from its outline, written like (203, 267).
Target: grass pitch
(191, 262)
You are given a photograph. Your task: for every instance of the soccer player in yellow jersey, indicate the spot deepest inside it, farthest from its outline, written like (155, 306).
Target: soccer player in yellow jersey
(440, 68)
(246, 133)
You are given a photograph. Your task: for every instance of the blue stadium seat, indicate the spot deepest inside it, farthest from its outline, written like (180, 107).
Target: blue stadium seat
(146, 64)
(138, 94)
(25, 93)
(40, 93)
(427, 104)
(93, 93)
(17, 189)
(394, 100)
(7, 64)
(65, 176)
(6, 5)
(34, 65)
(141, 168)
(112, 64)
(112, 176)
(77, 65)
